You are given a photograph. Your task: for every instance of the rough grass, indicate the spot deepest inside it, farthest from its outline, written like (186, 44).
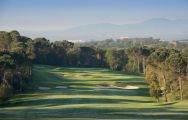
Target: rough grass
(82, 99)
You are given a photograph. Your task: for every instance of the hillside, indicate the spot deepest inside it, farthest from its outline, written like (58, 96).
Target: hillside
(158, 28)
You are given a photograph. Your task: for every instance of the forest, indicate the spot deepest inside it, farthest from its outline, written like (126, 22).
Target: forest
(165, 69)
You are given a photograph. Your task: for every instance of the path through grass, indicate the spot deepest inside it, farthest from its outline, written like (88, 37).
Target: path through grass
(81, 98)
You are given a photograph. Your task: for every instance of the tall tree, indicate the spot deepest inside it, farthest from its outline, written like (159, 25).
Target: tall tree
(116, 58)
(157, 59)
(177, 65)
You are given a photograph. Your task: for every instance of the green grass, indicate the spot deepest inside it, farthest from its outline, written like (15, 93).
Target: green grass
(83, 99)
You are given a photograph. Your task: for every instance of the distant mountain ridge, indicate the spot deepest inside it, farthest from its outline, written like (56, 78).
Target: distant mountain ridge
(157, 28)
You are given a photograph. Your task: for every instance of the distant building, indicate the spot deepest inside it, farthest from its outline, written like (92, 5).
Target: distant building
(76, 41)
(124, 37)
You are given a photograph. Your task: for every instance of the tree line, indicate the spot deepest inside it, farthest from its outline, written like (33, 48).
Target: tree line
(16, 55)
(136, 42)
(165, 70)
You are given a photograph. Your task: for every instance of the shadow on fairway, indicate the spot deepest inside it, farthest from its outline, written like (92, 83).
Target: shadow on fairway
(100, 113)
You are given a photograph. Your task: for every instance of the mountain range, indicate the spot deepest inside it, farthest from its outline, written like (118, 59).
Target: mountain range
(158, 28)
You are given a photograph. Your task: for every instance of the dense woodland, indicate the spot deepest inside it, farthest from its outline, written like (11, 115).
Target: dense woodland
(16, 56)
(164, 64)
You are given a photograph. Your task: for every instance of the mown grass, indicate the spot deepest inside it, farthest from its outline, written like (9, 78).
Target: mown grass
(83, 99)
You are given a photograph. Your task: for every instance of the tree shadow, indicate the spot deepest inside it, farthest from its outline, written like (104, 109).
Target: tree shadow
(69, 101)
(99, 113)
(167, 104)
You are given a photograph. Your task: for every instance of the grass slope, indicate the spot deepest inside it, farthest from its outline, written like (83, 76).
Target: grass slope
(82, 99)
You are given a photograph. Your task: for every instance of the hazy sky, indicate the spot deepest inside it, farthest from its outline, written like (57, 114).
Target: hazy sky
(36, 15)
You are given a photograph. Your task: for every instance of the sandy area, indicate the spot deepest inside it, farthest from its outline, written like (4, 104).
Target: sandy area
(44, 88)
(128, 87)
(60, 87)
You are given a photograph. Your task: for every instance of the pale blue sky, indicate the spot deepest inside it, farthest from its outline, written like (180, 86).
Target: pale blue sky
(36, 15)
